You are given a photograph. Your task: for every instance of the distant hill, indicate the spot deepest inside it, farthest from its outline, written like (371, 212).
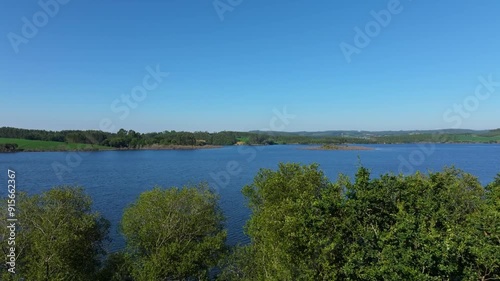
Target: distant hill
(370, 134)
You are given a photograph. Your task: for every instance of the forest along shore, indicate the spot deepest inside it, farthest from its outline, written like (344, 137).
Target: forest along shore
(17, 140)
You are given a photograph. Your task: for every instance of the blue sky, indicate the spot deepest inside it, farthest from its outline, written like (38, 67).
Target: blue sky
(230, 72)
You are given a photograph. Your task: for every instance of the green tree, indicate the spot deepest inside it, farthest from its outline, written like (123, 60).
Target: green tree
(9, 147)
(484, 239)
(409, 228)
(239, 264)
(117, 267)
(289, 225)
(174, 234)
(440, 226)
(58, 236)
(119, 142)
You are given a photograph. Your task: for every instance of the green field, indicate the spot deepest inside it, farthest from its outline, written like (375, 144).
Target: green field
(36, 145)
(476, 138)
(242, 139)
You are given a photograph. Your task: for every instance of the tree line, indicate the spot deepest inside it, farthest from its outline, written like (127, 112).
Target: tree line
(133, 140)
(9, 147)
(436, 226)
(130, 139)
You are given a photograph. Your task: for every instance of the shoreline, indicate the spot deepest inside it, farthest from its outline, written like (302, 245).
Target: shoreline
(193, 147)
(176, 147)
(338, 147)
(170, 147)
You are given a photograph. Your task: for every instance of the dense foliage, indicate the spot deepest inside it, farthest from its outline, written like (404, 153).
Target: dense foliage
(8, 147)
(174, 234)
(441, 226)
(58, 236)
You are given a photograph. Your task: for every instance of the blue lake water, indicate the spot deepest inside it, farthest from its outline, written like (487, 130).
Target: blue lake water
(114, 179)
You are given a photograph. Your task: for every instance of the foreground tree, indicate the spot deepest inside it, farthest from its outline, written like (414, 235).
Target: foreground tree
(441, 226)
(411, 228)
(484, 240)
(116, 267)
(174, 234)
(58, 236)
(289, 227)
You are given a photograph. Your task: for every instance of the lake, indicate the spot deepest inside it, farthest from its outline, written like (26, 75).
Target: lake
(114, 179)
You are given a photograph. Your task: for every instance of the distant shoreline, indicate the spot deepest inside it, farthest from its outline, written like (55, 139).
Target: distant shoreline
(343, 147)
(27, 140)
(176, 147)
(338, 147)
(170, 147)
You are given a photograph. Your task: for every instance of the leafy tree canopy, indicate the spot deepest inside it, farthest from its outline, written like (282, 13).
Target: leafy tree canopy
(58, 236)
(440, 226)
(174, 234)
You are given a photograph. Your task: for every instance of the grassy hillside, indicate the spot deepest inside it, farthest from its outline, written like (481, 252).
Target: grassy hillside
(477, 138)
(36, 145)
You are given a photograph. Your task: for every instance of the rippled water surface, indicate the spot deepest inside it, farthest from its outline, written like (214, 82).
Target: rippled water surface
(114, 179)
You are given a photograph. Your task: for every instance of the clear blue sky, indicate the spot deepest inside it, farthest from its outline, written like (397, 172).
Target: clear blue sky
(230, 74)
